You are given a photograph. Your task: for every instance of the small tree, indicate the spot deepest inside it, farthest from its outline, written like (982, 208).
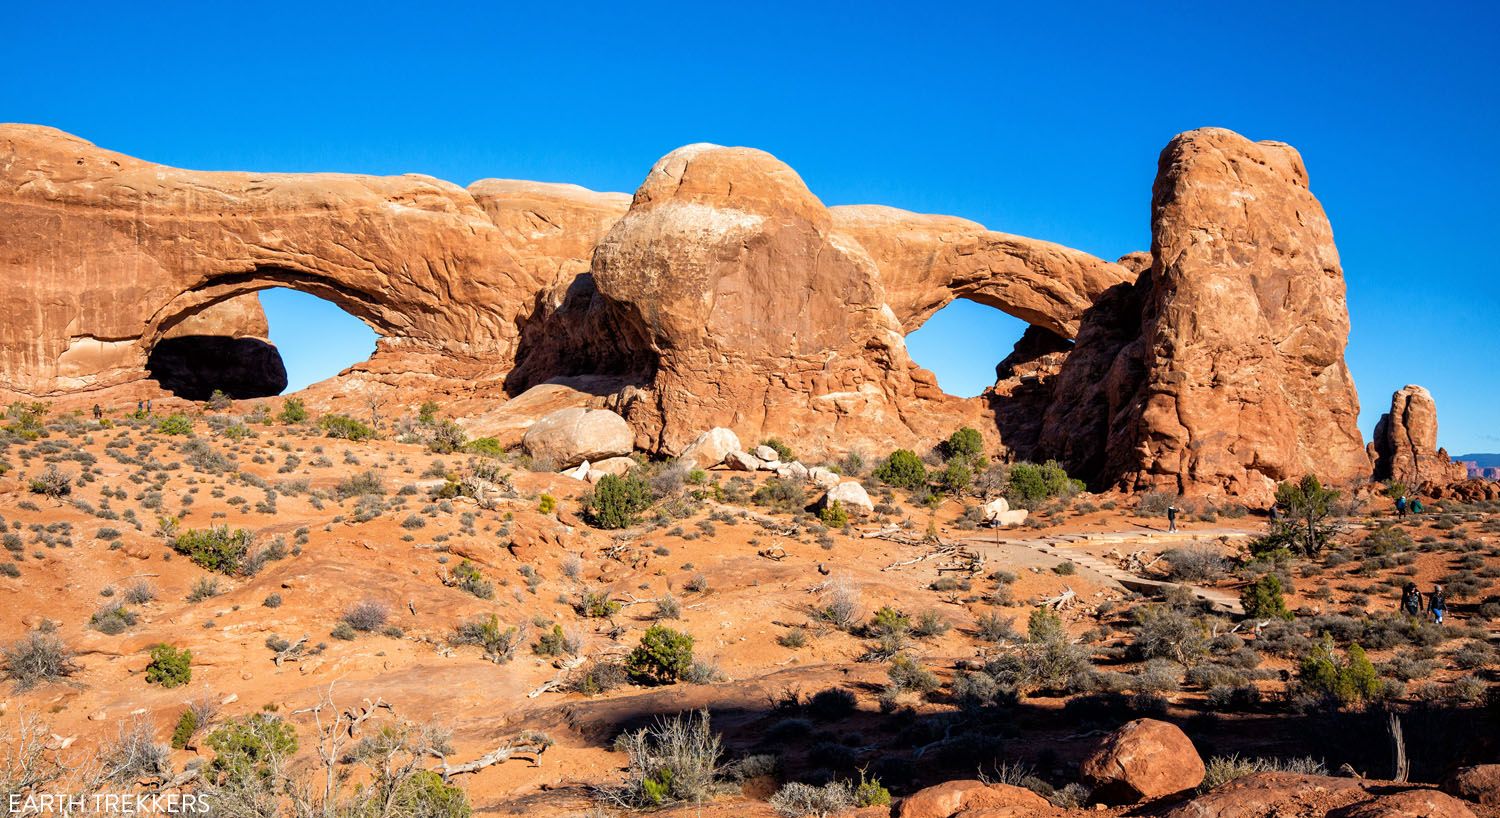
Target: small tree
(965, 442)
(175, 424)
(292, 411)
(345, 428)
(662, 657)
(616, 501)
(1351, 682)
(1308, 504)
(1262, 599)
(834, 515)
(1030, 484)
(902, 469)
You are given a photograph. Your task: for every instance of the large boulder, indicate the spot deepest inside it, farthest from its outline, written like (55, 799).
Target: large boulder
(966, 798)
(710, 448)
(741, 461)
(1480, 784)
(1287, 795)
(850, 494)
(1143, 760)
(568, 437)
(1405, 445)
(823, 478)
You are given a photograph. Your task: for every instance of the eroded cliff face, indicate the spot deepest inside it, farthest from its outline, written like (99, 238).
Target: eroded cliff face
(723, 293)
(226, 347)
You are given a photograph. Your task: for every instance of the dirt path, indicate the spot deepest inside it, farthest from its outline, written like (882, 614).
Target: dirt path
(1061, 547)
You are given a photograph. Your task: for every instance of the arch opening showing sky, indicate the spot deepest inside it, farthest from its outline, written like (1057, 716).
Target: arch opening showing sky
(316, 339)
(962, 342)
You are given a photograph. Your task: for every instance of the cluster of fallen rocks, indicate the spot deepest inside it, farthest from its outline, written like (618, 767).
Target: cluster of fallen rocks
(1154, 764)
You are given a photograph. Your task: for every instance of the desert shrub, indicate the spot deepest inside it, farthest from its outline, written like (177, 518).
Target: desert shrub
(204, 588)
(1473, 655)
(1262, 599)
(366, 615)
(993, 627)
(783, 452)
(902, 469)
(834, 515)
(906, 674)
(499, 643)
(662, 657)
(546, 504)
(134, 754)
(839, 607)
(592, 604)
(344, 427)
(832, 704)
(446, 437)
(930, 623)
(1223, 769)
(1351, 681)
(795, 637)
(52, 483)
(292, 411)
(186, 727)
(965, 442)
(888, 620)
(140, 592)
(555, 642)
(245, 749)
(169, 666)
(599, 677)
(781, 495)
(797, 800)
(176, 424)
(467, 576)
(216, 549)
(675, 760)
(1031, 485)
(1196, 564)
(112, 618)
(39, 657)
(615, 501)
(366, 483)
(1308, 504)
(667, 607)
(1155, 503)
(956, 476)
(1387, 539)
(1162, 632)
(1044, 625)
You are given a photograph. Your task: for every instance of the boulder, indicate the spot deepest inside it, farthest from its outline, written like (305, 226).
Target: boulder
(1405, 445)
(1015, 516)
(710, 448)
(993, 509)
(1142, 760)
(770, 465)
(851, 494)
(741, 461)
(578, 472)
(1480, 784)
(618, 466)
(766, 453)
(792, 471)
(568, 437)
(823, 478)
(968, 798)
(1408, 804)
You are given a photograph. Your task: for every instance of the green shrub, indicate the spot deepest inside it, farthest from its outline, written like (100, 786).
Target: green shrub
(662, 657)
(424, 794)
(187, 727)
(674, 760)
(216, 549)
(615, 501)
(1262, 599)
(344, 427)
(484, 446)
(965, 442)
(783, 452)
(499, 643)
(1307, 505)
(547, 504)
(169, 667)
(902, 469)
(782, 495)
(176, 424)
(1350, 682)
(870, 792)
(1031, 485)
(52, 483)
(466, 575)
(834, 515)
(246, 749)
(292, 411)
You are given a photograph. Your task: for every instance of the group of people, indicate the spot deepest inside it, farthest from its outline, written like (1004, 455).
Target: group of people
(1411, 602)
(1405, 507)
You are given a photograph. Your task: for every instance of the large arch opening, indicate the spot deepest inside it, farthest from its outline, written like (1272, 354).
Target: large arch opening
(963, 344)
(256, 341)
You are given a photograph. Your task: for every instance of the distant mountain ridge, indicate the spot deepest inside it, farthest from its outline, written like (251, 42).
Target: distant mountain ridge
(1483, 460)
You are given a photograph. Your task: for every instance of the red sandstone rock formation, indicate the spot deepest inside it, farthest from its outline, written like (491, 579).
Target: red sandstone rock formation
(1405, 445)
(724, 293)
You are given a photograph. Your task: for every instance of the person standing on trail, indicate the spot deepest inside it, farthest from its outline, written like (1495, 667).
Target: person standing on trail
(1411, 600)
(1416, 506)
(1437, 604)
(98, 412)
(1401, 506)
(1171, 518)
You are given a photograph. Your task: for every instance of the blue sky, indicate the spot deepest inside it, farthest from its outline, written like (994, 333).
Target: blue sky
(1038, 119)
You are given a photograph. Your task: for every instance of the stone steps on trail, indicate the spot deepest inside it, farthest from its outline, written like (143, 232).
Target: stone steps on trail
(1055, 546)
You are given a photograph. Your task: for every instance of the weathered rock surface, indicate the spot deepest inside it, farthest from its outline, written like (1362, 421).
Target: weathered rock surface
(226, 347)
(953, 798)
(1237, 377)
(740, 461)
(852, 495)
(1282, 794)
(1408, 804)
(1480, 784)
(569, 437)
(710, 448)
(1405, 445)
(1143, 760)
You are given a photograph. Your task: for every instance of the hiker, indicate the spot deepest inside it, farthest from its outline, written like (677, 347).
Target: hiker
(1411, 600)
(1171, 518)
(1275, 513)
(1401, 506)
(1416, 505)
(1437, 604)
(148, 407)
(98, 412)
(140, 407)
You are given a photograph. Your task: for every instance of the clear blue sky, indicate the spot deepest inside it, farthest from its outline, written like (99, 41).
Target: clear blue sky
(1038, 119)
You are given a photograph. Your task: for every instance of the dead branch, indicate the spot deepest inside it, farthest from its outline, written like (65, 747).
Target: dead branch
(527, 744)
(291, 652)
(557, 681)
(1062, 601)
